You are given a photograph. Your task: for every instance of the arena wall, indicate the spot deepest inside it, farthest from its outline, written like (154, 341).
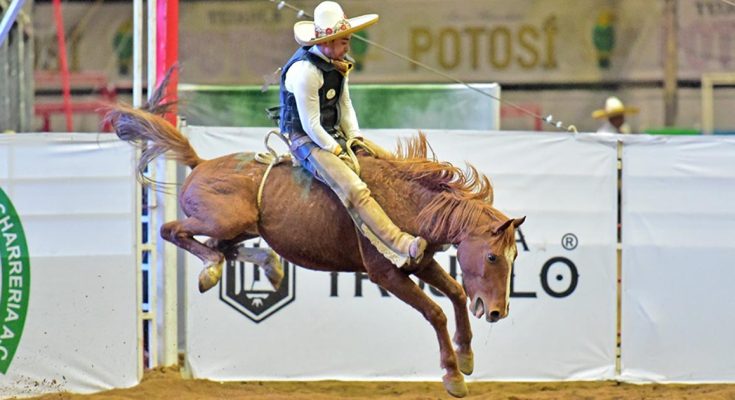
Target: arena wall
(69, 301)
(74, 322)
(676, 247)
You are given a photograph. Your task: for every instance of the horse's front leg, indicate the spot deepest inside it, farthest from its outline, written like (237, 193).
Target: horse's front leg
(436, 276)
(385, 274)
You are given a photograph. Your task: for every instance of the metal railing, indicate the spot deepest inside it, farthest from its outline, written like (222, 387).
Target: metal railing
(16, 71)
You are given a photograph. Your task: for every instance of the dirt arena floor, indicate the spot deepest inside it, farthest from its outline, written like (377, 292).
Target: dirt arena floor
(168, 384)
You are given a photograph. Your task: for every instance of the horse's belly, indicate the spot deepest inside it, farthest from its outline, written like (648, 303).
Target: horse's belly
(303, 221)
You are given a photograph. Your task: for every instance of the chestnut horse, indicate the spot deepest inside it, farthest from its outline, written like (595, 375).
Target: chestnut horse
(304, 222)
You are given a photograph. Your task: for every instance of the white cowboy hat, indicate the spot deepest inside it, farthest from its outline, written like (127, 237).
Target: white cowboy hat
(330, 23)
(613, 107)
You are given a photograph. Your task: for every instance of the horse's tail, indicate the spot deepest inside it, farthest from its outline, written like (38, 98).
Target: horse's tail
(151, 132)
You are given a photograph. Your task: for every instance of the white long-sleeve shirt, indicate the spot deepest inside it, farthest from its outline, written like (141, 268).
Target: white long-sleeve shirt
(607, 127)
(304, 80)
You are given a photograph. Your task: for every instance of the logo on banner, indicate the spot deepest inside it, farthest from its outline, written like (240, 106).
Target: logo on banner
(246, 288)
(558, 276)
(16, 281)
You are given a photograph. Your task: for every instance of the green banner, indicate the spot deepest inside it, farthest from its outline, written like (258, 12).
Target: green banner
(417, 106)
(16, 281)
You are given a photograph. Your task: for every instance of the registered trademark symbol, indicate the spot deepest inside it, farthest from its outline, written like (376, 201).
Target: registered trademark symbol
(569, 241)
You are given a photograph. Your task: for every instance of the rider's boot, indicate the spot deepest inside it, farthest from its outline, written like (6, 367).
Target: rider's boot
(394, 244)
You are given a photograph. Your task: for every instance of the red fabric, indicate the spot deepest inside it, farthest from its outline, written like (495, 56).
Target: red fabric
(167, 49)
(64, 66)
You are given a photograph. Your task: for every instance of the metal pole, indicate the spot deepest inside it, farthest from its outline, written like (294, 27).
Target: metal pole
(152, 24)
(139, 192)
(671, 66)
(9, 18)
(28, 70)
(137, 53)
(166, 55)
(64, 67)
(22, 89)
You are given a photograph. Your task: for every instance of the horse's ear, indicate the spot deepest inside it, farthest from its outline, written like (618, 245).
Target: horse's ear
(502, 227)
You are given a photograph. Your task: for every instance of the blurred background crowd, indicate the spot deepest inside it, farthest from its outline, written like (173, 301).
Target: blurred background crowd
(559, 57)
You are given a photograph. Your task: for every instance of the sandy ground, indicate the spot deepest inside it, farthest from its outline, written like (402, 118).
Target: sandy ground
(168, 384)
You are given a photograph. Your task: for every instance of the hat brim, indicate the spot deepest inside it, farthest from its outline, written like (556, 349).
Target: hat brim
(303, 31)
(602, 113)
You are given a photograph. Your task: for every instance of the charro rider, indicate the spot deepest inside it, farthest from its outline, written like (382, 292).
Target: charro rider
(318, 117)
(614, 115)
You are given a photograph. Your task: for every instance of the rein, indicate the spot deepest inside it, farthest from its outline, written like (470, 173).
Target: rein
(351, 158)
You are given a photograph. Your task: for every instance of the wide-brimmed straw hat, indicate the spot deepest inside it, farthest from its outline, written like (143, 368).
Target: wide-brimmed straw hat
(330, 23)
(613, 107)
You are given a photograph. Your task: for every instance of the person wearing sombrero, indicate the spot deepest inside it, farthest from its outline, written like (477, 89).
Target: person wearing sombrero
(614, 115)
(318, 117)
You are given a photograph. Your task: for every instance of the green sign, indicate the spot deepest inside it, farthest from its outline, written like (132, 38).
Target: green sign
(15, 267)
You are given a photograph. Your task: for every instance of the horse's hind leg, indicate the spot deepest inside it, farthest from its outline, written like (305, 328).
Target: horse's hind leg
(265, 258)
(383, 273)
(436, 276)
(181, 233)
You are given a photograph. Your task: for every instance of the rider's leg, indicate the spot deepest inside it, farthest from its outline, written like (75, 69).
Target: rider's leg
(354, 193)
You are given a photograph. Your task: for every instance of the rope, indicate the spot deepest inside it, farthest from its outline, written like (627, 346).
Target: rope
(271, 158)
(262, 184)
(548, 119)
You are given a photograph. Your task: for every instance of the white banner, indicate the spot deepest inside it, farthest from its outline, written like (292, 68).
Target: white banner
(678, 322)
(341, 326)
(67, 214)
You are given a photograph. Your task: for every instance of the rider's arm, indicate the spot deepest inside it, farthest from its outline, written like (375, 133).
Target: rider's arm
(348, 120)
(303, 79)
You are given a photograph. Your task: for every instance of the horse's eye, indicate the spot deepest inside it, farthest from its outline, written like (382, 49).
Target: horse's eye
(491, 257)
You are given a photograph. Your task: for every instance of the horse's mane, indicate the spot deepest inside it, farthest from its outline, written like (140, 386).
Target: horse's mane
(462, 196)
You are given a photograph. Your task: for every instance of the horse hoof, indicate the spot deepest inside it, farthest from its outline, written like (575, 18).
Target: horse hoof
(209, 277)
(455, 386)
(274, 270)
(466, 362)
(275, 277)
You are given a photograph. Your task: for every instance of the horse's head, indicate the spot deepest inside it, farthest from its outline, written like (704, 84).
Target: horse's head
(486, 260)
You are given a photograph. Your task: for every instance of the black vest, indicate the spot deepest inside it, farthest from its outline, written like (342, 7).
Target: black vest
(329, 107)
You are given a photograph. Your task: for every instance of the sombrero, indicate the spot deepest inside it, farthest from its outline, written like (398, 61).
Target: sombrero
(613, 107)
(330, 23)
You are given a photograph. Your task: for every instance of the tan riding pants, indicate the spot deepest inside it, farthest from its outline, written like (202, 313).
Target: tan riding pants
(354, 194)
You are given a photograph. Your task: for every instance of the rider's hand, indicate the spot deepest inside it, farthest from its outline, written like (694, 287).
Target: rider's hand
(337, 150)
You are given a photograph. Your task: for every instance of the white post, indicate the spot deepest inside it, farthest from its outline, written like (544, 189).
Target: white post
(167, 267)
(137, 101)
(137, 53)
(151, 53)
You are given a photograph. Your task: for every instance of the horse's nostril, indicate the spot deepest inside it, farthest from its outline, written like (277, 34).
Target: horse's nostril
(494, 315)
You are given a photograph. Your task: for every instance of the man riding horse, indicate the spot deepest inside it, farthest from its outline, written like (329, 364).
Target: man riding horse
(317, 116)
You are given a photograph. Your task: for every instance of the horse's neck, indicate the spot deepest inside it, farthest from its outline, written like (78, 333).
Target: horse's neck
(406, 199)
(451, 222)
